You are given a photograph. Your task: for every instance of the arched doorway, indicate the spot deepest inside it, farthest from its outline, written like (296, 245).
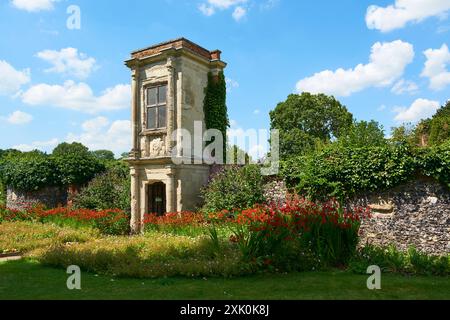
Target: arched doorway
(157, 198)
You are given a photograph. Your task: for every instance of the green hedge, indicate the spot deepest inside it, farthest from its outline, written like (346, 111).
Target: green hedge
(342, 172)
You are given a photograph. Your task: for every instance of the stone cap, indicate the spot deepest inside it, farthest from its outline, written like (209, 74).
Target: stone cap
(177, 44)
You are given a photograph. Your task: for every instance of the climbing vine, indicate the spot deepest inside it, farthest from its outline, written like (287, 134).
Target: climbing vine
(215, 106)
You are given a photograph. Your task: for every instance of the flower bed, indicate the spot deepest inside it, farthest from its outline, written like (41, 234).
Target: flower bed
(297, 234)
(112, 221)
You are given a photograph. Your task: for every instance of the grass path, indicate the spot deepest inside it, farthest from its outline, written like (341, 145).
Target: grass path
(26, 279)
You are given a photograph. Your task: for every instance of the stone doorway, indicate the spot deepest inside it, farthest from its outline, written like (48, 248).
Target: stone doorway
(157, 198)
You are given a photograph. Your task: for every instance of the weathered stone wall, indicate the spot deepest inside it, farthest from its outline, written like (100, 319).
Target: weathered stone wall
(50, 197)
(415, 214)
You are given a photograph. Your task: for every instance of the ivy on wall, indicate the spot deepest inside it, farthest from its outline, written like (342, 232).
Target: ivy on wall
(215, 106)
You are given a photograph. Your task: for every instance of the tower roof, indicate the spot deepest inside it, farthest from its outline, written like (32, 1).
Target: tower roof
(177, 44)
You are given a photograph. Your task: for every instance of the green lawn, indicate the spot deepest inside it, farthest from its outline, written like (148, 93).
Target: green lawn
(29, 280)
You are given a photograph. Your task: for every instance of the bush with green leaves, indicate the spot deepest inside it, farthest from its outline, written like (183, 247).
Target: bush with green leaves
(76, 164)
(30, 171)
(342, 172)
(234, 187)
(110, 189)
(435, 162)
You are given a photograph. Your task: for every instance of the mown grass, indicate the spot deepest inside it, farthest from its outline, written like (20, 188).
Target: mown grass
(30, 280)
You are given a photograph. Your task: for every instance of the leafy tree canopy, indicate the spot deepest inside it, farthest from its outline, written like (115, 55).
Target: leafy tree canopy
(363, 134)
(76, 164)
(105, 155)
(308, 120)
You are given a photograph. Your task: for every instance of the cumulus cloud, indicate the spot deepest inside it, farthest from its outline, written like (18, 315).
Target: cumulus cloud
(231, 84)
(387, 63)
(78, 96)
(38, 145)
(68, 61)
(400, 13)
(404, 86)
(99, 133)
(210, 7)
(34, 5)
(436, 67)
(11, 79)
(19, 117)
(239, 13)
(419, 109)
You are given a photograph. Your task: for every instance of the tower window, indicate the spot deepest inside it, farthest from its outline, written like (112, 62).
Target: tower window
(156, 107)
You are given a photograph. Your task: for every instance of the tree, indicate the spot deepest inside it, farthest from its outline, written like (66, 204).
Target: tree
(364, 134)
(440, 126)
(307, 120)
(76, 164)
(404, 134)
(105, 155)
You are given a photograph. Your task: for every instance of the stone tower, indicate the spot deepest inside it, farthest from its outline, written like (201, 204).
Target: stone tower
(168, 89)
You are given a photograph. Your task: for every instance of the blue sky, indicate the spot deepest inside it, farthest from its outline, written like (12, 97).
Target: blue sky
(385, 60)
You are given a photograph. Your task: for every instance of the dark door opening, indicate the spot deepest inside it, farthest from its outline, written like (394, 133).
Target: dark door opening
(157, 198)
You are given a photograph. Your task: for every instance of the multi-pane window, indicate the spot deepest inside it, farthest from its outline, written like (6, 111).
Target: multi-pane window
(156, 107)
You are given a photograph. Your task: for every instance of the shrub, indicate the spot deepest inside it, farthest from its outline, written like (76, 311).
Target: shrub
(341, 172)
(30, 171)
(108, 190)
(234, 187)
(435, 162)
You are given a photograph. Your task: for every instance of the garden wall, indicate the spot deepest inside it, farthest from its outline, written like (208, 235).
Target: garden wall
(416, 213)
(51, 197)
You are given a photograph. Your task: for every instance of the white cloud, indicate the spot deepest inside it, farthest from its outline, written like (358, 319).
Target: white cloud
(436, 67)
(78, 96)
(206, 10)
(404, 86)
(239, 13)
(11, 79)
(231, 84)
(397, 15)
(99, 134)
(382, 108)
(38, 145)
(34, 5)
(387, 63)
(419, 109)
(256, 112)
(269, 4)
(211, 6)
(19, 117)
(69, 61)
